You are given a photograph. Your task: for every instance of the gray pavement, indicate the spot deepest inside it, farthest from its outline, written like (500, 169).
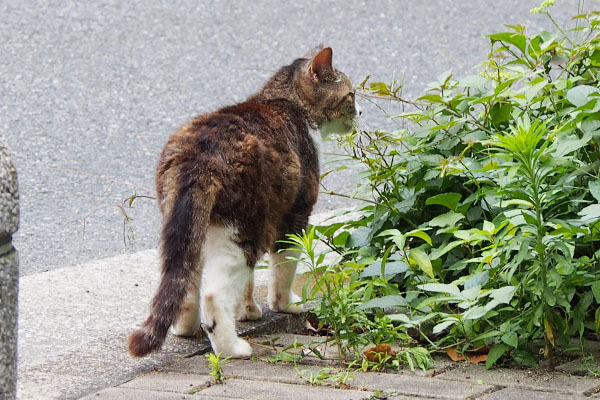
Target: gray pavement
(89, 91)
(262, 378)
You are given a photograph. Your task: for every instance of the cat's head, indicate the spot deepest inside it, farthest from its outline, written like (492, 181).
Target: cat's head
(326, 94)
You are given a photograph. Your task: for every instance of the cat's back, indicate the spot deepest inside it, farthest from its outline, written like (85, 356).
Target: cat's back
(244, 148)
(251, 126)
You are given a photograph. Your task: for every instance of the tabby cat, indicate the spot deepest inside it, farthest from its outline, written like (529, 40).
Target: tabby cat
(230, 185)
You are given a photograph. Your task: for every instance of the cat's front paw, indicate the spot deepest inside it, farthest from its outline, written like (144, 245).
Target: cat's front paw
(285, 304)
(240, 349)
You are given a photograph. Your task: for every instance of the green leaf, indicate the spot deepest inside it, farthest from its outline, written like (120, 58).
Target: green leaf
(448, 200)
(494, 355)
(437, 253)
(510, 339)
(447, 219)
(516, 39)
(341, 239)
(500, 112)
(420, 234)
(391, 268)
(478, 279)
(595, 189)
(566, 144)
(422, 261)
(401, 318)
(396, 236)
(474, 313)
(503, 294)
(486, 335)
(581, 95)
(473, 81)
(440, 288)
(590, 213)
(524, 357)
(596, 291)
(443, 325)
(360, 237)
(489, 227)
(532, 91)
(385, 301)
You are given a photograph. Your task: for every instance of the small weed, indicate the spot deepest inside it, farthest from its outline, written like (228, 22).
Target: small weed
(380, 395)
(591, 365)
(325, 376)
(216, 366)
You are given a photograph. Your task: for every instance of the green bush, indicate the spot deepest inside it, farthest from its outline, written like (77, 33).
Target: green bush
(482, 216)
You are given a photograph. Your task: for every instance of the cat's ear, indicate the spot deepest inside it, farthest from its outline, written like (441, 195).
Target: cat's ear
(320, 64)
(314, 51)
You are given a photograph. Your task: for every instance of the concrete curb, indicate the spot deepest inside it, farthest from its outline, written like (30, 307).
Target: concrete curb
(9, 273)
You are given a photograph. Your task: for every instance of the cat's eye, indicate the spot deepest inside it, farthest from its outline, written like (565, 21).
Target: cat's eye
(351, 95)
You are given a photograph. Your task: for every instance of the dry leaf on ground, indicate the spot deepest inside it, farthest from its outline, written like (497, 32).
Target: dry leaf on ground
(475, 356)
(374, 354)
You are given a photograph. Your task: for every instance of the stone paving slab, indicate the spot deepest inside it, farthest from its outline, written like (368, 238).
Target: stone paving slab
(524, 394)
(269, 345)
(288, 373)
(169, 382)
(253, 370)
(119, 393)
(419, 386)
(556, 383)
(246, 389)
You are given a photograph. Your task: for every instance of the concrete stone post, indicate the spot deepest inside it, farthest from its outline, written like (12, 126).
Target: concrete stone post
(9, 274)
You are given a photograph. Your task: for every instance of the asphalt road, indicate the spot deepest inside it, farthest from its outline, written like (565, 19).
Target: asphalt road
(90, 91)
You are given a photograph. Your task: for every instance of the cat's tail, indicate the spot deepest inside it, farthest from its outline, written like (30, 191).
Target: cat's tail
(182, 235)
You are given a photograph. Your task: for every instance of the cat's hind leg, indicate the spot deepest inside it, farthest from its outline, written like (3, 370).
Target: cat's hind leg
(225, 277)
(282, 272)
(188, 322)
(246, 308)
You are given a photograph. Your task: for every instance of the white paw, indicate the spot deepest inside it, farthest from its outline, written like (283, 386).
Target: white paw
(241, 349)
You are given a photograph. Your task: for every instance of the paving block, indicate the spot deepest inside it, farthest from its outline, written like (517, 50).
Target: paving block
(524, 394)
(169, 382)
(272, 322)
(269, 345)
(524, 379)
(417, 386)
(237, 388)
(190, 365)
(253, 370)
(120, 393)
(279, 372)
